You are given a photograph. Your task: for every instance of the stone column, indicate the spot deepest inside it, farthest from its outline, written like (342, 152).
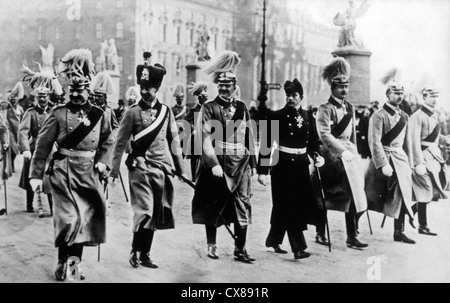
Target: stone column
(359, 87)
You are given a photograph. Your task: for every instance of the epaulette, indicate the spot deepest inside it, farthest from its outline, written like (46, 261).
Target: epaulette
(31, 108)
(134, 105)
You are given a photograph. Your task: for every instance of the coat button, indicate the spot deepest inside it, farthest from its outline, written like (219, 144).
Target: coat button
(143, 112)
(71, 128)
(93, 140)
(292, 134)
(39, 125)
(290, 124)
(145, 121)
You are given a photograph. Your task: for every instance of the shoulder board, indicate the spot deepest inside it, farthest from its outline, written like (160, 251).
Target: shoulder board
(95, 107)
(134, 105)
(30, 109)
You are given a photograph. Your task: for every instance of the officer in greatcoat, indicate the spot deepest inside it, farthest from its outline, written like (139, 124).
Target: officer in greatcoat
(342, 174)
(430, 172)
(43, 84)
(388, 181)
(228, 162)
(155, 145)
(292, 195)
(200, 91)
(83, 136)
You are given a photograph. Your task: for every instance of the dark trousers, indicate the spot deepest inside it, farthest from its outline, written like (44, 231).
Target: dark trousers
(421, 209)
(351, 221)
(143, 239)
(295, 236)
(64, 251)
(239, 231)
(399, 224)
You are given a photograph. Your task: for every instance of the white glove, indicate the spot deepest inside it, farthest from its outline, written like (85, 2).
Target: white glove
(420, 170)
(27, 155)
(262, 180)
(319, 162)
(35, 183)
(348, 156)
(101, 167)
(387, 170)
(217, 171)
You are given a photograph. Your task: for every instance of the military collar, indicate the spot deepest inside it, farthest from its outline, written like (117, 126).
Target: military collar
(179, 106)
(74, 108)
(427, 110)
(391, 109)
(226, 103)
(41, 110)
(336, 102)
(145, 105)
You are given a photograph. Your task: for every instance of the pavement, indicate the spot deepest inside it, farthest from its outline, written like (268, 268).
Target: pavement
(27, 253)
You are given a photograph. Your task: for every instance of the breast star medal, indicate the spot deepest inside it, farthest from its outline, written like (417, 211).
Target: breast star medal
(83, 118)
(153, 115)
(300, 121)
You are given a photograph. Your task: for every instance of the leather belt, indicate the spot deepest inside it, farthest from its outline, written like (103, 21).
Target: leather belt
(229, 146)
(292, 151)
(77, 153)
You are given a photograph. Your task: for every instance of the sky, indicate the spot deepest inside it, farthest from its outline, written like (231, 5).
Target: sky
(412, 35)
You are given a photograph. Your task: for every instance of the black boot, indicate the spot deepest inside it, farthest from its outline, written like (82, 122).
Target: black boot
(61, 267)
(352, 241)
(135, 253)
(50, 204)
(146, 240)
(424, 230)
(322, 239)
(301, 255)
(212, 251)
(399, 229)
(30, 197)
(240, 253)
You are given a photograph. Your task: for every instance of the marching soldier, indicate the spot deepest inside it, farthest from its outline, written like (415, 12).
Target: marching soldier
(43, 84)
(388, 178)
(14, 115)
(292, 193)
(342, 174)
(223, 187)
(83, 135)
(132, 95)
(155, 145)
(429, 175)
(200, 91)
(100, 87)
(180, 110)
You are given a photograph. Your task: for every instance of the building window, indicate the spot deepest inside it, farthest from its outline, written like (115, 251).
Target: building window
(191, 37)
(162, 58)
(119, 30)
(164, 32)
(178, 29)
(178, 65)
(98, 30)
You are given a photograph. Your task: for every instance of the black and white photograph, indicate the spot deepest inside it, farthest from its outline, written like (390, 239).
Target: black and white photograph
(218, 143)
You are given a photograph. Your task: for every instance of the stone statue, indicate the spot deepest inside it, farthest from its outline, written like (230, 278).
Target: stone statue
(101, 65)
(347, 22)
(201, 46)
(111, 56)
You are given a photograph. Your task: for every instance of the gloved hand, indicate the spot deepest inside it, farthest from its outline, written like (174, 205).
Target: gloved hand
(35, 183)
(262, 179)
(5, 146)
(101, 167)
(26, 155)
(253, 172)
(387, 170)
(348, 156)
(217, 171)
(420, 170)
(319, 161)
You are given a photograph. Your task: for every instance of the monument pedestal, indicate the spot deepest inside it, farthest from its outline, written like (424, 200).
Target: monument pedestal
(359, 87)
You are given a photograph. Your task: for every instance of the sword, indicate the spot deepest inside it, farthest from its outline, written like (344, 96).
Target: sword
(319, 177)
(123, 186)
(191, 184)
